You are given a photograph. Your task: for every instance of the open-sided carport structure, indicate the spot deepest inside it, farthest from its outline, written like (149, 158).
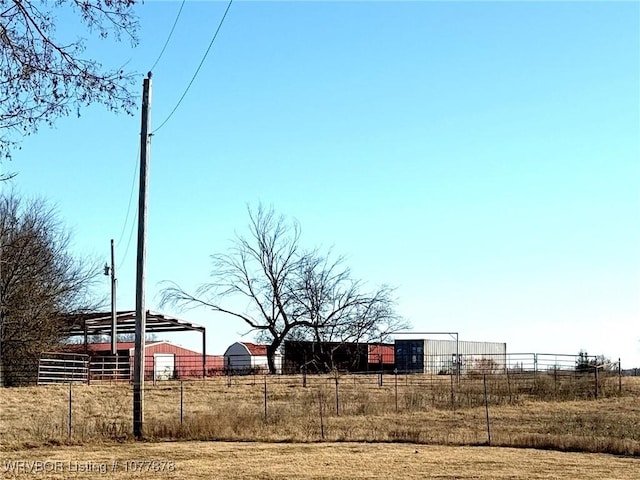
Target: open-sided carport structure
(99, 323)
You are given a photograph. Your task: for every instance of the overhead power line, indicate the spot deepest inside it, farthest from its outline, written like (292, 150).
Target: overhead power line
(133, 224)
(169, 37)
(215, 35)
(133, 183)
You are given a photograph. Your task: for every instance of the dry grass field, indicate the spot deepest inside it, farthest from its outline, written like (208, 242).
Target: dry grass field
(244, 461)
(436, 412)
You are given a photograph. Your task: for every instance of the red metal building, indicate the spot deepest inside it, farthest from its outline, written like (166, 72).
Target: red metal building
(163, 361)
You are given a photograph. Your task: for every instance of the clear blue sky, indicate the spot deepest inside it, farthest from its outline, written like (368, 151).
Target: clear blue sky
(482, 157)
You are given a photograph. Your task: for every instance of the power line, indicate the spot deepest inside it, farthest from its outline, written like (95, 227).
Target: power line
(169, 37)
(124, 257)
(215, 35)
(213, 39)
(133, 184)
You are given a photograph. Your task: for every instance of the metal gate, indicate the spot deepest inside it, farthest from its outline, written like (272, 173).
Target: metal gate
(63, 368)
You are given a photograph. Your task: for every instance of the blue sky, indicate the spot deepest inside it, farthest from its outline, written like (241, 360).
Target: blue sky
(484, 158)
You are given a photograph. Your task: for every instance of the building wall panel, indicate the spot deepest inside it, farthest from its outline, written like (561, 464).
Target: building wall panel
(445, 356)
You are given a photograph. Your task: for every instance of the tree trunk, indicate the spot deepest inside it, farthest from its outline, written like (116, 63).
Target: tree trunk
(271, 355)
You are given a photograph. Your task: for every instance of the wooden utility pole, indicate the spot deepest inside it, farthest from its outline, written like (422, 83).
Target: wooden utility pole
(1, 315)
(114, 314)
(141, 320)
(1, 304)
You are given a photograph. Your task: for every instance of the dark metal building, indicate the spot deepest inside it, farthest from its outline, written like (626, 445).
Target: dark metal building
(321, 357)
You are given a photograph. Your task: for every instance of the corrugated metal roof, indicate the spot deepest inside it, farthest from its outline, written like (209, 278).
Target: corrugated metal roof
(106, 347)
(255, 349)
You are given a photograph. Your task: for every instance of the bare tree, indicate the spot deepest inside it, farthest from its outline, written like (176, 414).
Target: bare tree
(39, 281)
(259, 268)
(289, 290)
(44, 77)
(340, 310)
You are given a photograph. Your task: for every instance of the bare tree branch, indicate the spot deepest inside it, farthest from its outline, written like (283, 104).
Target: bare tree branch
(43, 78)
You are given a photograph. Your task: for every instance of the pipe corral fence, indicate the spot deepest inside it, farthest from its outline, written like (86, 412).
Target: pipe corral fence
(63, 368)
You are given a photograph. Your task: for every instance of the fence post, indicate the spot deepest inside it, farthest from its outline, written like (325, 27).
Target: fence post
(321, 417)
(595, 370)
(304, 376)
(486, 407)
(70, 409)
(453, 408)
(395, 377)
(39, 366)
(509, 387)
(619, 376)
(453, 398)
(181, 401)
(337, 397)
(265, 399)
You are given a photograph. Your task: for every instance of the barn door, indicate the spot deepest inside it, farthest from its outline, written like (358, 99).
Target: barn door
(163, 366)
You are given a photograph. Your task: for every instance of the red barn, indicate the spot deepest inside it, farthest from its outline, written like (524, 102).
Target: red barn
(163, 361)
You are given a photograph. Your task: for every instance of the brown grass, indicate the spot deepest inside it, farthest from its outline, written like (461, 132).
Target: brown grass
(244, 461)
(426, 413)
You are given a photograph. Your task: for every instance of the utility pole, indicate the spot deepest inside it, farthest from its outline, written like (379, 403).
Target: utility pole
(141, 319)
(111, 271)
(1, 312)
(114, 313)
(1, 301)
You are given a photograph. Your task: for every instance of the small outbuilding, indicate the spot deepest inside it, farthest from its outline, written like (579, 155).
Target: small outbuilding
(246, 358)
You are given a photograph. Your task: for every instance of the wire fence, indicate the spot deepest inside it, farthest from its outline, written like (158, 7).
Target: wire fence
(299, 407)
